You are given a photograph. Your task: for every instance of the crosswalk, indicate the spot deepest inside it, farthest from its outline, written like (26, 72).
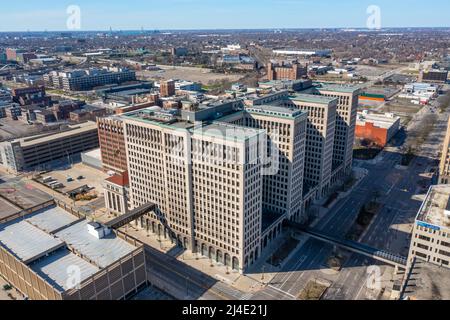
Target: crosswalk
(246, 296)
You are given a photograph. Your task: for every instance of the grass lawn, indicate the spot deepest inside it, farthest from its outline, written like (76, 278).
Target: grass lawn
(313, 291)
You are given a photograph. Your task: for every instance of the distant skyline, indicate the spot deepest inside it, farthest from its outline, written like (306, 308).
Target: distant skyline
(100, 15)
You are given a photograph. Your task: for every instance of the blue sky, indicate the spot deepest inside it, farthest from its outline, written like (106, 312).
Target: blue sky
(22, 15)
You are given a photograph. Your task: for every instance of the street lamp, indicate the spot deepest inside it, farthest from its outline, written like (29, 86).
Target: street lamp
(262, 276)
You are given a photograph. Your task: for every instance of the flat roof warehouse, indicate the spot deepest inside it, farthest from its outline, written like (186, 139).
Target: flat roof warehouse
(50, 244)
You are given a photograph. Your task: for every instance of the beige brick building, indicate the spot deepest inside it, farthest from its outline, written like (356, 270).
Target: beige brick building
(283, 180)
(319, 139)
(431, 234)
(205, 180)
(444, 167)
(346, 114)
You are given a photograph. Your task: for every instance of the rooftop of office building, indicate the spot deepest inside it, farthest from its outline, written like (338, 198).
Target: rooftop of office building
(380, 120)
(276, 111)
(173, 121)
(154, 115)
(337, 87)
(50, 241)
(435, 209)
(311, 98)
(227, 131)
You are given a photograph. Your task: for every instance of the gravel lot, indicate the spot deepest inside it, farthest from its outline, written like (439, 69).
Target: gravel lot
(204, 76)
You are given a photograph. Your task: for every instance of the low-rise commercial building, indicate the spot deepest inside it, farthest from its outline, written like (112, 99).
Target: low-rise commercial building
(377, 94)
(291, 85)
(116, 191)
(377, 128)
(31, 95)
(49, 253)
(418, 91)
(87, 113)
(304, 52)
(434, 76)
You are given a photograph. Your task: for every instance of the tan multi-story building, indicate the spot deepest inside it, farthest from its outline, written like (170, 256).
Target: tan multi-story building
(205, 180)
(230, 212)
(283, 177)
(444, 167)
(112, 143)
(431, 234)
(346, 115)
(320, 137)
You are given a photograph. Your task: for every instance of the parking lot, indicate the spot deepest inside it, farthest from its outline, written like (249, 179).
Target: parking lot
(77, 176)
(7, 209)
(78, 179)
(22, 193)
(11, 129)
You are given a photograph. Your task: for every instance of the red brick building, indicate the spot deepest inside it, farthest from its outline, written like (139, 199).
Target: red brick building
(30, 95)
(378, 129)
(112, 144)
(167, 88)
(291, 71)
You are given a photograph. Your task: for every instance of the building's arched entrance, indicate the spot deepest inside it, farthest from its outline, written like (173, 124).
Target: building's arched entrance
(204, 250)
(210, 252)
(219, 256)
(235, 263)
(227, 260)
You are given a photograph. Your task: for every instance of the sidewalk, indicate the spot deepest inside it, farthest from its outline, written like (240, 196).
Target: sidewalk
(257, 277)
(215, 270)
